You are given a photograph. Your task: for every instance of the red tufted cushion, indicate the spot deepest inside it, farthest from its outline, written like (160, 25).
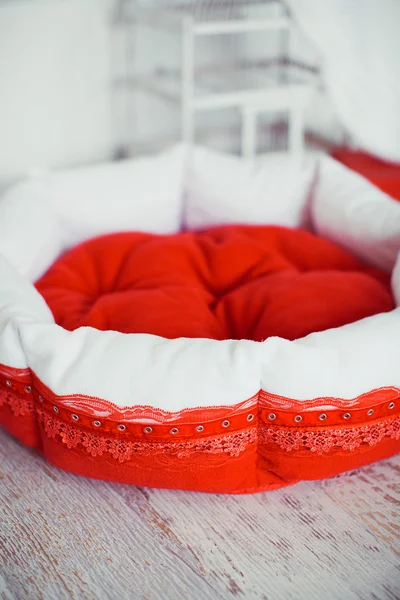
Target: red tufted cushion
(228, 282)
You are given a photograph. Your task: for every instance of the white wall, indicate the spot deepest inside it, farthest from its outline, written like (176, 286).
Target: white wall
(359, 45)
(54, 84)
(57, 106)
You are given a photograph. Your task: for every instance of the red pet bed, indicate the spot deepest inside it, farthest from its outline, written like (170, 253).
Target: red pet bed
(196, 321)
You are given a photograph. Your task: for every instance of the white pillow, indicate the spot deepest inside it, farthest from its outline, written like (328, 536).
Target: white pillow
(343, 362)
(129, 369)
(29, 231)
(20, 303)
(142, 194)
(347, 209)
(222, 189)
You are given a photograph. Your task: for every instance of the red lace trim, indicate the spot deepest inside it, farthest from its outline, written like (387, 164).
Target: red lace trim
(104, 409)
(280, 428)
(321, 441)
(21, 404)
(124, 450)
(366, 400)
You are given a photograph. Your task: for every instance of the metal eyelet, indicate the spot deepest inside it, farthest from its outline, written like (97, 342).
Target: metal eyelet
(250, 417)
(298, 418)
(174, 430)
(272, 416)
(147, 429)
(346, 416)
(199, 428)
(97, 423)
(28, 389)
(74, 417)
(8, 382)
(370, 412)
(40, 398)
(225, 423)
(322, 417)
(121, 427)
(56, 409)
(391, 405)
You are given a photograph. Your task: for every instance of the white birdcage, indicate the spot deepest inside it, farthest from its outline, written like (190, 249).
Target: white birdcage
(217, 72)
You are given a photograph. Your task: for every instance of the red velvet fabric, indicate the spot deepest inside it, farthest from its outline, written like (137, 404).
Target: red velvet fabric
(230, 282)
(386, 176)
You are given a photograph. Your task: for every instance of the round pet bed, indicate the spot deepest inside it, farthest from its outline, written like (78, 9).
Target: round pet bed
(200, 322)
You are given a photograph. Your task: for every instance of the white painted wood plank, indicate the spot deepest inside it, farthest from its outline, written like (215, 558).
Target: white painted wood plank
(62, 536)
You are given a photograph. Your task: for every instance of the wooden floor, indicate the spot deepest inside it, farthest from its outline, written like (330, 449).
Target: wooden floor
(63, 536)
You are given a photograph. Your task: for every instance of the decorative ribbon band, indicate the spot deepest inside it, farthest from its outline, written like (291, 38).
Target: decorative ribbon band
(123, 444)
